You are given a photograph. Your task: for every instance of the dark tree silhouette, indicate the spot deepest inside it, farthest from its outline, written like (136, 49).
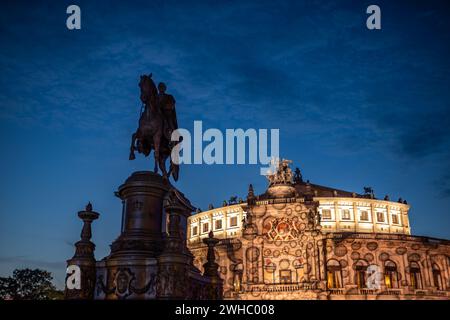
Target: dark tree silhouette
(28, 284)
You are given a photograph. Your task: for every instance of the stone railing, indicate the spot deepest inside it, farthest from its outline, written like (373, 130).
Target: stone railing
(388, 292)
(280, 287)
(336, 291)
(279, 200)
(420, 292)
(393, 292)
(441, 293)
(364, 291)
(367, 291)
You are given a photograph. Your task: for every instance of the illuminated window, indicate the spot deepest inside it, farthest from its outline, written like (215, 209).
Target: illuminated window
(233, 221)
(285, 276)
(205, 227)
(414, 276)
(380, 217)
(395, 219)
(326, 214)
(360, 275)
(345, 214)
(237, 281)
(194, 231)
(218, 225)
(390, 274)
(334, 276)
(364, 216)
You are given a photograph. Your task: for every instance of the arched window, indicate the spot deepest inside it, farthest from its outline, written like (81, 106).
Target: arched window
(334, 274)
(414, 275)
(285, 276)
(437, 279)
(360, 273)
(237, 281)
(390, 274)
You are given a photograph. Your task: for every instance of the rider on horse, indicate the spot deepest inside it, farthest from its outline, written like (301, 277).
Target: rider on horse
(167, 107)
(156, 125)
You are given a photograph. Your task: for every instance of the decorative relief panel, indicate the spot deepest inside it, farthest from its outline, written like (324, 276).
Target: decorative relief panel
(282, 228)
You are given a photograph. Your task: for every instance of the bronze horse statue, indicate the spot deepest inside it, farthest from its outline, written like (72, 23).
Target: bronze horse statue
(151, 133)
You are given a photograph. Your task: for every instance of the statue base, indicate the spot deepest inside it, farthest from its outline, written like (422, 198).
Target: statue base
(149, 259)
(281, 191)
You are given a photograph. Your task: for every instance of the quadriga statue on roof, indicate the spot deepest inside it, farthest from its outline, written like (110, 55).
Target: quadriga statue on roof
(157, 121)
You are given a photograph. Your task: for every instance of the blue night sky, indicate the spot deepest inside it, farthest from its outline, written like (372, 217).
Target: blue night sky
(354, 107)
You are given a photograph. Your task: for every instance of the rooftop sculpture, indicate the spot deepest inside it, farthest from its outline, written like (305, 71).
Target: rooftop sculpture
(282, 175)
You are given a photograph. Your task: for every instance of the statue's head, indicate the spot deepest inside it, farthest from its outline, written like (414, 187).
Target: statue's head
(162, 87)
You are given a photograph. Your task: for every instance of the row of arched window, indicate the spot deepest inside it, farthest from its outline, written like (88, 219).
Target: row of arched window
(390, 275)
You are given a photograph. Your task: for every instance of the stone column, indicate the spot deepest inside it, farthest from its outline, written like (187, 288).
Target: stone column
(80, 280)
(389, 218)
(445, 274)
(175, 262)
(408, 229)
(337, 218)
(225, 224)
(374, 218)
(212, 268)
(428, 270)
(405, 275)
(211, 219)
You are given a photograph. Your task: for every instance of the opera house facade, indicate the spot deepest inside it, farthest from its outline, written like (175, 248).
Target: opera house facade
(299, 240)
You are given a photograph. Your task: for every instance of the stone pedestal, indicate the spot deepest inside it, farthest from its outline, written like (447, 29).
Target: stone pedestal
(142, 196)
(281, 191)
(130, 271)
(149, 259)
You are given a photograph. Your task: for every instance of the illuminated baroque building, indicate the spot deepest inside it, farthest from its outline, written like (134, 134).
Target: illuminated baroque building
(300, 240)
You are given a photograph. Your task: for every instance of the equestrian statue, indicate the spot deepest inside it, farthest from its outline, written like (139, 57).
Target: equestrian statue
(157, 121)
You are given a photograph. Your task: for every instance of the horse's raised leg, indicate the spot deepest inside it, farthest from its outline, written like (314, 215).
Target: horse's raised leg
(162, 165)
(132, 147)
(170, 168)
(174, 170)
(157, 143)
